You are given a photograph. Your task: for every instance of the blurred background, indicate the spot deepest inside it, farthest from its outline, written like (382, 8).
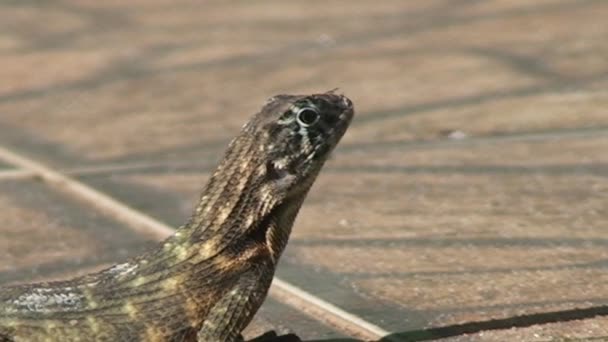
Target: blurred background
(468, 200)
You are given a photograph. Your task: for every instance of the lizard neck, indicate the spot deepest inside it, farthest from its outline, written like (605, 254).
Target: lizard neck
(278, 229)
(242, 204)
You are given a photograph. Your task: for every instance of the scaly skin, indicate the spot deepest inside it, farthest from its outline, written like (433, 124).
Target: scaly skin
(206, 281)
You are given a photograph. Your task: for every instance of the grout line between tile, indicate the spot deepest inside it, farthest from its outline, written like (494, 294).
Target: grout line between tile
(133, 166)
(322, 310)
(100, 169)
(594, 132)
(142, 223)
(591, 132)
(133, 218)
(16, 174)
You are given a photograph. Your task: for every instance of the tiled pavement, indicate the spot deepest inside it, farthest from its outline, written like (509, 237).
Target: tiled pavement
(467, 201)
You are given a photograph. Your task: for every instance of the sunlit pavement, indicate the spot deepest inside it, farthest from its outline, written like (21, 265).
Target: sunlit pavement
(468, 200)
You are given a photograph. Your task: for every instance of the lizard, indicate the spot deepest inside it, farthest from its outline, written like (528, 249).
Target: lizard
(207, 280)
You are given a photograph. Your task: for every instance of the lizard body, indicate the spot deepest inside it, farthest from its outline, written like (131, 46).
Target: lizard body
(205, 282)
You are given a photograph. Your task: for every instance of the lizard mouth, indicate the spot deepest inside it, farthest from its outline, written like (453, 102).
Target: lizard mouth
(345, 117)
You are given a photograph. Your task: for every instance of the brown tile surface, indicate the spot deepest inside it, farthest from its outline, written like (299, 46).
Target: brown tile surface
(48, 235)
(479, 234)
(446, 235)
(186, 76)
(471, 186)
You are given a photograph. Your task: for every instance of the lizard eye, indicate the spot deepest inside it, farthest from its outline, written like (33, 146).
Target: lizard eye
(307, 116)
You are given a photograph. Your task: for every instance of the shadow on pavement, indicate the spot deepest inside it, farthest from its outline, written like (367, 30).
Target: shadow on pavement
(494, 324)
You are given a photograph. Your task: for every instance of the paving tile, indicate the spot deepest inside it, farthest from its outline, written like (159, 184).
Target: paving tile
(167, 194)
(489, 231)
(49, 236)
(445, 235)
(470, 186)
(186, 77)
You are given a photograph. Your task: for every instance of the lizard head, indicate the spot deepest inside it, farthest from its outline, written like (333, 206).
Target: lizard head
(268, 168)
(281, 149)
(296, 134)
